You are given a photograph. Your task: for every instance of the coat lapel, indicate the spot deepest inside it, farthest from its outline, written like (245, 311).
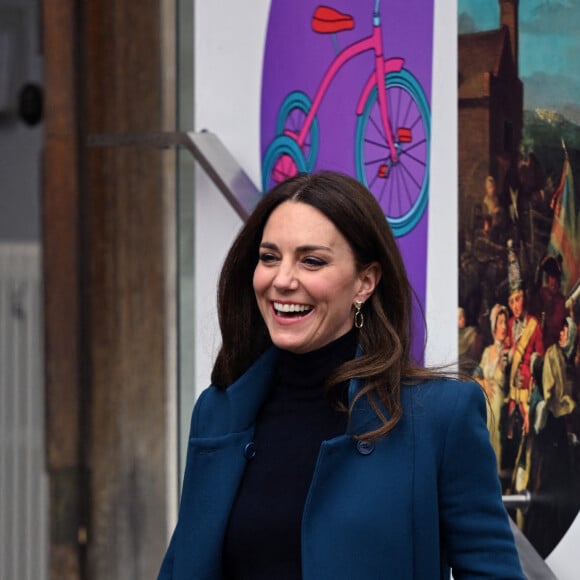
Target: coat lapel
(215, 467)
(216, 460)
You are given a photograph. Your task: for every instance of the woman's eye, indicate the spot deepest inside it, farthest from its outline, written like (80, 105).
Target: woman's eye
(267, 257)
(313, 262)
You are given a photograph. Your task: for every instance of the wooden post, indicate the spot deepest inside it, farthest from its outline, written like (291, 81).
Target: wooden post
(61, 288)
(106, 269)
(123, 218)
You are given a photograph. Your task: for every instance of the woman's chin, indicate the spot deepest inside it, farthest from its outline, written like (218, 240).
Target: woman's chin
(294, 345)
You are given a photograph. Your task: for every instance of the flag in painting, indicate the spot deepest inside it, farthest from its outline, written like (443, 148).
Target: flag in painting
(564, 238)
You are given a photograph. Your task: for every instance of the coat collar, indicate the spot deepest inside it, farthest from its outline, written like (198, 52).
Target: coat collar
(247, 394)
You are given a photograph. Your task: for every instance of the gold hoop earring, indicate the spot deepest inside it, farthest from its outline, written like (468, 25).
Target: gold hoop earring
(359, 318)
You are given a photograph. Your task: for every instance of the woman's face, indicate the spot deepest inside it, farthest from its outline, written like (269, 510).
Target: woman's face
(500, 327)
(563, 336)
(306, 279)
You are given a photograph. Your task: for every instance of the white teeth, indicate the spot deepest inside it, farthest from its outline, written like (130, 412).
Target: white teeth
(291, 307)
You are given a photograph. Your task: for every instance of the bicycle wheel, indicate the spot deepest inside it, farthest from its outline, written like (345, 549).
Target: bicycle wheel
(400, 185)
(283, 159)
(291, 117)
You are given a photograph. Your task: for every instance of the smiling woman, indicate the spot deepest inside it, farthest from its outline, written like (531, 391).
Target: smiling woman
(321, 439)
(307, 280)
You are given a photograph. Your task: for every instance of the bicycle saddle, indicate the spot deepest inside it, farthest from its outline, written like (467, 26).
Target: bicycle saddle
(327, 20)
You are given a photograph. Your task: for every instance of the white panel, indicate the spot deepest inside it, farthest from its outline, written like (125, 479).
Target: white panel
(23, 481)
(564, 559)
(229, 46)
(441, 307)
(228, 77)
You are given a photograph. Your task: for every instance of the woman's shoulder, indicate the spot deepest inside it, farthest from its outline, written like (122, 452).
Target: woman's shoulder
(442, 398)
(219, 410)
(438, 409)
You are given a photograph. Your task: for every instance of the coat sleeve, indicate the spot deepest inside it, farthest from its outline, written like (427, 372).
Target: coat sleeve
(167, 565)
(476, 535)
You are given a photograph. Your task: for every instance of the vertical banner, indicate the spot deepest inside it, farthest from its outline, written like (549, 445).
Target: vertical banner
(519, 244)
(347, 87)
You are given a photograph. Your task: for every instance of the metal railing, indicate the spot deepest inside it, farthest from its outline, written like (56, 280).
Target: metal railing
(211, 154)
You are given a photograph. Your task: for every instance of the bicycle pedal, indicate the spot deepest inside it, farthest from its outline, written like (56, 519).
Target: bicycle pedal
(405, 135)
(284, 168)
(383, 171)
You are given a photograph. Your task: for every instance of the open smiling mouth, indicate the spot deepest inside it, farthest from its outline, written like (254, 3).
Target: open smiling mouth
(291, 310)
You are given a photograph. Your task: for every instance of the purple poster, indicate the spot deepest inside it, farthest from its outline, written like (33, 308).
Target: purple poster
(347, 87)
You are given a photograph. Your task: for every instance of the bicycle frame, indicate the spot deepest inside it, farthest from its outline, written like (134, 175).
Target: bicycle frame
(373, 42)
(391, 142)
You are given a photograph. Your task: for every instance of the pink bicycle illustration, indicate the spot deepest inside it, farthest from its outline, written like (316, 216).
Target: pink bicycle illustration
(392, 134)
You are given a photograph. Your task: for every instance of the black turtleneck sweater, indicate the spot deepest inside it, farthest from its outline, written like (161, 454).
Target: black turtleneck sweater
(263, 536)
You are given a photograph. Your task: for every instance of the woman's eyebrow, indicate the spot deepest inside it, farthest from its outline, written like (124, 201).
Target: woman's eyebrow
(303, 248)
(312, 248)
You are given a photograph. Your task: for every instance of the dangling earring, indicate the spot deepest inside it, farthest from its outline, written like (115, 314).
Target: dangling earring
(359, 318)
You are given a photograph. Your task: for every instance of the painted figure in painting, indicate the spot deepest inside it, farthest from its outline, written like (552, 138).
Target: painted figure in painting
(526, 350)
(555, 433)
(490, 256)
(552, 303)
(490, 200)
(491, 375)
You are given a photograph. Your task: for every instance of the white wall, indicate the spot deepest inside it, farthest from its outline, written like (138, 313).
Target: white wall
(228, 68)
(228, 71)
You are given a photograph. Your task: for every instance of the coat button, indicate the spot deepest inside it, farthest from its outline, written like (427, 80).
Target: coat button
(365, 447)
(250, 450)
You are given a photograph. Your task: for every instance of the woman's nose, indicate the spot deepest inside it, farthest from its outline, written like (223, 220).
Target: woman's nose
(285, 278)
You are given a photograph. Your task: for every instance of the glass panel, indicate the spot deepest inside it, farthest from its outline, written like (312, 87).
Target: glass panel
(185, 227)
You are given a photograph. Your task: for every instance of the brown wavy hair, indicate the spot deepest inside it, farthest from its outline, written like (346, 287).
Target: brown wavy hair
(386, 337)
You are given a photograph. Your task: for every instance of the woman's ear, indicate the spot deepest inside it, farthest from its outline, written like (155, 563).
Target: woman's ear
(369, 277)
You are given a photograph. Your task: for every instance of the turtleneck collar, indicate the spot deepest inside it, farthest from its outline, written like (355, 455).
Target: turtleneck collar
(312, 369)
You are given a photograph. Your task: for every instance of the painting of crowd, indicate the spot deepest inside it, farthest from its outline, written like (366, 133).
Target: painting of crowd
(519, 311)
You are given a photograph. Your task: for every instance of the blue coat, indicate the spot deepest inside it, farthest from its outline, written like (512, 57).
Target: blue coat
(410, 506)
